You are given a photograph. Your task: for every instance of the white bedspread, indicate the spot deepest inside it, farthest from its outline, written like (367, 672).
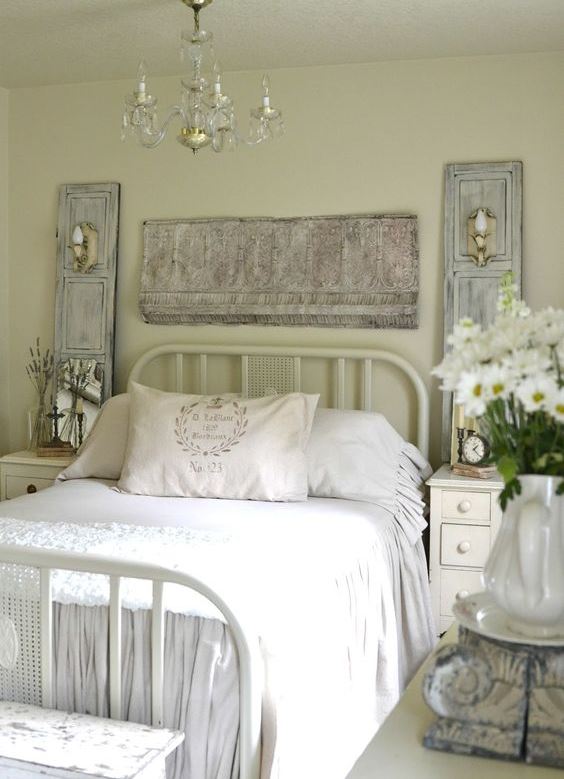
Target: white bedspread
(336, 589)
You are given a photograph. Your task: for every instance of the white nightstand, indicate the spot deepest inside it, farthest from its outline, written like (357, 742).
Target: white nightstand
(25, 472)
(465, 517)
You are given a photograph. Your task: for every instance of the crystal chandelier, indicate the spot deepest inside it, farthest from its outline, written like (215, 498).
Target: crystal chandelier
(206, 113)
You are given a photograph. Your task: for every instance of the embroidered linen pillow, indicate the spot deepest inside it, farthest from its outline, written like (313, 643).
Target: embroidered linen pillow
(205, 446)
(102, 454)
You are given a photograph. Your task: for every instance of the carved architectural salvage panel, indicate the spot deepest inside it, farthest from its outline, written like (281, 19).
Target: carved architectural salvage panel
(497, 699)
(471, 290)
(337, 271)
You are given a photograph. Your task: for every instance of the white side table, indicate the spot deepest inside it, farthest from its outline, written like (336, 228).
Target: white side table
(25, 473)
(397, 750)
(465, 518)
(44, 742)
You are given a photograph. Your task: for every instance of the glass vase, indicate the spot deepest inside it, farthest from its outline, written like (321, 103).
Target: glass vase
(41, 425)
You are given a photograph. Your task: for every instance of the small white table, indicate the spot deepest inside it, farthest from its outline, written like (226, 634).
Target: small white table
(44, 742)
(465, 518)
(397, 750)
(24, 473)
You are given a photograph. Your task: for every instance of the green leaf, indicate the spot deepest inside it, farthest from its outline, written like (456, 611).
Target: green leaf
(507, 466)
(512, 488)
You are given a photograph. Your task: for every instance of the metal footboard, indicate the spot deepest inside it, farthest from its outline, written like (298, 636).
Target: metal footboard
(245, 638)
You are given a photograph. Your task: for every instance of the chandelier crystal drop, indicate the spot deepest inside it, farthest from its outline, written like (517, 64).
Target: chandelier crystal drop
(206, 113)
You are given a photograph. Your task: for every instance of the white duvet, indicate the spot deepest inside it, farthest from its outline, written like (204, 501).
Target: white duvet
(336, 589)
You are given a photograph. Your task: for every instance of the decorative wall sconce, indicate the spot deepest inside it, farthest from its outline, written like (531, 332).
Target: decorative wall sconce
(482, 238)
(85, 247)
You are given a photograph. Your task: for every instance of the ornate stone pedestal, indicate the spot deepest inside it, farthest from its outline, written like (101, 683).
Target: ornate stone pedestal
(497, 699)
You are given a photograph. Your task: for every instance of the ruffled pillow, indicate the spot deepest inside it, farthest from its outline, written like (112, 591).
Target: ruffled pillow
(357, 455)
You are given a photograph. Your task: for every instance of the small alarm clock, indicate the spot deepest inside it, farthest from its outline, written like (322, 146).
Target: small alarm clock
(475, 449)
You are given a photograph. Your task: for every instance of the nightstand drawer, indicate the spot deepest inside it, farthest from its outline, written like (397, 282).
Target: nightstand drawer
(457, 584)
(467, 505)
(23, 473)
(466, 545)
(25, 485)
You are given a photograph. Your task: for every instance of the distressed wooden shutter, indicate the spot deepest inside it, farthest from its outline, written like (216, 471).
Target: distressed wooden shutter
(469, 290)
(85, 311)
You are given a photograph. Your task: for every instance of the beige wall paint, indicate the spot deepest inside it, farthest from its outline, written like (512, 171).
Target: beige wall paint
(370, 138)
(4, 316)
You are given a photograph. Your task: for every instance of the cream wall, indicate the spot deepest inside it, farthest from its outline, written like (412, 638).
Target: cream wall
(4, 315)
(369, 138)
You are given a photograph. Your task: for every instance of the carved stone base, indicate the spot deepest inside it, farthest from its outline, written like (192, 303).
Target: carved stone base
(497, 699)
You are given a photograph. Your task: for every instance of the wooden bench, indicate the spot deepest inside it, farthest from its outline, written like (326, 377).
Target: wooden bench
(44, 742)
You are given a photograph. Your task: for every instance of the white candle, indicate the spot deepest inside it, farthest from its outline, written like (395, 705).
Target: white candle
(481, 223)
(459, 415)
(77, 236)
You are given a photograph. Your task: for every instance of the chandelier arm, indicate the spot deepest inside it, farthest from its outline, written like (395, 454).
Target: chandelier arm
(151, 139)
(207, 114)
(248, 141)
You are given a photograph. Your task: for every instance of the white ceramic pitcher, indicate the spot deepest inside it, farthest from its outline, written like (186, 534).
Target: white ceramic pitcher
(525, 570)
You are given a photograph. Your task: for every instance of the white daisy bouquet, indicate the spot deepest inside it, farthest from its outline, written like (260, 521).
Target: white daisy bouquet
(511, 376)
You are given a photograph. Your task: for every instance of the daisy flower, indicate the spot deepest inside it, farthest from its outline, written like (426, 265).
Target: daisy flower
(498, 382)
(470, 392)
(528, 362)
(555, 405)
(535, 392)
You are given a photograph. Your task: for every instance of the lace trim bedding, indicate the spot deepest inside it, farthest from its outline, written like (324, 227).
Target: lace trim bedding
(248, 568)
(181, 549)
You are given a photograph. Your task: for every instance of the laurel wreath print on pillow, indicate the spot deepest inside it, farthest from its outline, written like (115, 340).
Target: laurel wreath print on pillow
(211, 428)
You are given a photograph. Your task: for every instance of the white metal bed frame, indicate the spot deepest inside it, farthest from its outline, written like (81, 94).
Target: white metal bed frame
(287, 364)
(262, 368)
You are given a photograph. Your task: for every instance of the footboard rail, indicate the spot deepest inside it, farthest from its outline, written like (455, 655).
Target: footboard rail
(244, 636)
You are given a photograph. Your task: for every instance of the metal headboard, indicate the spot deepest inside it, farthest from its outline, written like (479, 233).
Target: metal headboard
(265, 369)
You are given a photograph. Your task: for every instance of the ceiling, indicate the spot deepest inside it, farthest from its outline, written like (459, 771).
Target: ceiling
(62, 41)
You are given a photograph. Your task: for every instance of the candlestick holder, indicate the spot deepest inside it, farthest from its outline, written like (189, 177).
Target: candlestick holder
(74, 427)
(80, 420)
(460, 437)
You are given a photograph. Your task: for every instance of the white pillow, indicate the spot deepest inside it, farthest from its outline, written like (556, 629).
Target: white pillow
(102, 453)
(358, 455)
(217, 447)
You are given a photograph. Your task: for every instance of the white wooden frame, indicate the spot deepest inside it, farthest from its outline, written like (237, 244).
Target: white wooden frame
(245, 637)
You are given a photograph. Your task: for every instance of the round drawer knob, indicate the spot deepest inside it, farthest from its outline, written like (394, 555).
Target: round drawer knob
(31, 488)
(462, 594)
(464, 506)
(463, 547)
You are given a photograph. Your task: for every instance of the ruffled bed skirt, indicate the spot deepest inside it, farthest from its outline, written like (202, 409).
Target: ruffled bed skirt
(201, 691)
(201, 688)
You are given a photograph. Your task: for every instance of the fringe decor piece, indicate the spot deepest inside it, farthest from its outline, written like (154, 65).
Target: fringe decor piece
(335, 271)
